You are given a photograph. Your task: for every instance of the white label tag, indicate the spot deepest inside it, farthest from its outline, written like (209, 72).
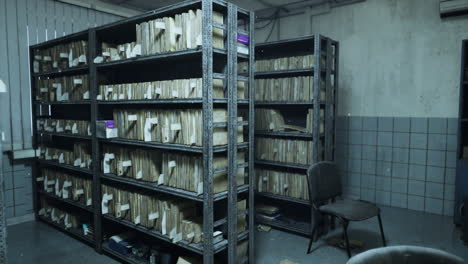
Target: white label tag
(106, 54)
(132, 118)
(40, 179)
(79, 192)
(127, 163)
(163, 224)
(98, 59)
(175, 127)
(153, 216)
(47, 58)
(160, 25)
(82, 59)
(148, 94)
(105, 206)
(99, 97)
(50, 182)
(158, 91)
(124, 207)
(161, 179)
(67, 184)
(121, 96)
(193, 140)
(61, 159)
(63, 55)
(200, 188)
(136, 50)
(172, 164)
(139, 175)
(86, 95)
(89, 202)
(77, 81)
(44, 90)
(74, 129)
(175, 93)
(137, 220)
(77, 162)
(65, 194)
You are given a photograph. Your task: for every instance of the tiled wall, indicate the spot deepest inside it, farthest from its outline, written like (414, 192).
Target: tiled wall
(397, 161)
(18, 188)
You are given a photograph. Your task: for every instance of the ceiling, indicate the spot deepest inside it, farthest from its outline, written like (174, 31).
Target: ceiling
(247, 4)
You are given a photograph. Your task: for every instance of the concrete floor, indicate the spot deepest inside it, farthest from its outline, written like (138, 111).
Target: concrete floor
(36, 242)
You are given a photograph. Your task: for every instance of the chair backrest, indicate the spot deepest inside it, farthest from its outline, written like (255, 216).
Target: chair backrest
(406, 255)
(324, 181)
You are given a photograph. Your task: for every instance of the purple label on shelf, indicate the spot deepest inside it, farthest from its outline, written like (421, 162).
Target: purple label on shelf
(244, 39)
(110, 124)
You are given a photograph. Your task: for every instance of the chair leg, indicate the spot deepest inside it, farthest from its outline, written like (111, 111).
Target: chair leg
(345, 233)
(381, 231)
(312, 236)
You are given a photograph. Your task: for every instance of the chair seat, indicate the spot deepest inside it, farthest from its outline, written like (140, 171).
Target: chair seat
(351, 210)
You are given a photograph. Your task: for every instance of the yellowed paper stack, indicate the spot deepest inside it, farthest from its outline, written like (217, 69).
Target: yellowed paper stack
(281, 183)
(284, 150)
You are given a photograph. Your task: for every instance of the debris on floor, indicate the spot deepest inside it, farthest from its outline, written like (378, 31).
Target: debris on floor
(263, 228)
(287, 261)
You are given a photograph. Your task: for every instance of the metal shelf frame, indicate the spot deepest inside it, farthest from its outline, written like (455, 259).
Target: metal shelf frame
(323, 143)
(206, 55)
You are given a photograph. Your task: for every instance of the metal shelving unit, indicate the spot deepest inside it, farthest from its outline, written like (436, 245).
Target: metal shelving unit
(323, 143)
(208, 60)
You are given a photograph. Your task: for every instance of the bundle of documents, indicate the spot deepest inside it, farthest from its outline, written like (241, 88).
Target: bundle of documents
(68, 88)
(113, 52)
(75, 127)
(67, 186)
(172, 217)
(80, 156)
(284, 150)
(167, 168)
(282, 183)
(170, 89)
(171, 126)
(179, 32)
(272, 120)
(61, 56)
(58, 216)
(286, 63)
(287, 89)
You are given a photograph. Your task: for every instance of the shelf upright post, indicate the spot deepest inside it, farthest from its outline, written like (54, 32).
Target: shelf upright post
(316, 149)
(251, 99)
(34, 106)
(232, 130)
(207, 69)
(329, 105)
(92, 44)
(335, 86)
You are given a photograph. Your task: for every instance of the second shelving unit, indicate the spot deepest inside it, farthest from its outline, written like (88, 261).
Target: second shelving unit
(295, 98)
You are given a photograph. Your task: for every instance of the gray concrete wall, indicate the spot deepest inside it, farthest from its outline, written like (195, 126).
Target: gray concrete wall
(398, 58)
(24, 23)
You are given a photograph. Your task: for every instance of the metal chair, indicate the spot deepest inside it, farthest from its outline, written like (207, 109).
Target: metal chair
(324, 187)
(405, 254)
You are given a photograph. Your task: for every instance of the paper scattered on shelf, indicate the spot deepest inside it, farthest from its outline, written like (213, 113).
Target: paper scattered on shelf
(263, 228)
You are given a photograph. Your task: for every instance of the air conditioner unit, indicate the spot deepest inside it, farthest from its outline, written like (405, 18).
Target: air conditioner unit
(449, 8)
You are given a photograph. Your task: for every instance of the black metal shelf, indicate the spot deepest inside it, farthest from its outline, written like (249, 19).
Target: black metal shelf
(177, 147)
(82, 69)
(281, 164)
(81, 102)
(65, 166)
(284, 73)
(169, 190)
(163, 57)
(67, 201)
(282, 198)
(320, 71)
(205, 62)
(71, 232)
(287, 103)
(284, 134)
(195, 248)
(291, 226)
(194, 101)
(58, 134)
